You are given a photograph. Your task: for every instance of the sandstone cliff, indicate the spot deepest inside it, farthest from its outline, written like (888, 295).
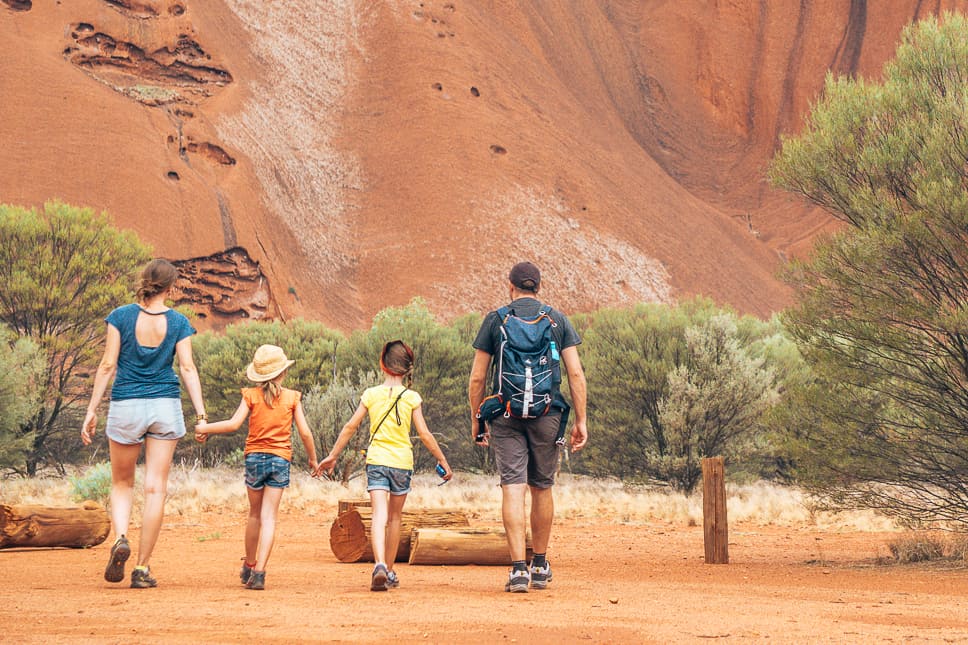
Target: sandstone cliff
(328, 159)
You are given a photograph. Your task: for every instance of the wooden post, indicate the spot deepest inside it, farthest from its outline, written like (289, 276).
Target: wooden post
(462, 546)
(715, 531)
(47, 526)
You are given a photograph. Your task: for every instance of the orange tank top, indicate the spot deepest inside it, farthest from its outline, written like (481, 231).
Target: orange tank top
(270, 428)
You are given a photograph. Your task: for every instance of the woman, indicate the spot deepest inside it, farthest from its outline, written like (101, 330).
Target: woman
(141, 343)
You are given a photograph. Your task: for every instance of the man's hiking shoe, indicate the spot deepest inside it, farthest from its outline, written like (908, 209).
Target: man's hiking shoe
(257, 580)
(392, 580)
(120, 553)
(141, 578)
(380, 577)
(540, 576)
(518, 581)
(245, 572)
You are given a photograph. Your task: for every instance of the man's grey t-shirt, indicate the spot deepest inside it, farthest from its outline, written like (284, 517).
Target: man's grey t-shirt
(489, 336)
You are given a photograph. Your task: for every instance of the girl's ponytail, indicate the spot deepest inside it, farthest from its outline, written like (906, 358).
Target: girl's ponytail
(396, 359)
(270, 392)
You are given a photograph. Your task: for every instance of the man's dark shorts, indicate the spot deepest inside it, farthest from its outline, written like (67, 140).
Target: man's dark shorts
(525, 450)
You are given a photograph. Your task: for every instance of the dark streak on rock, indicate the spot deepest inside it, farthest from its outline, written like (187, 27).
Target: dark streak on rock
(847, 56)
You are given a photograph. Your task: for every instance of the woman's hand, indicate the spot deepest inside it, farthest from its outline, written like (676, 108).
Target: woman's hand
(200, 435)
(88, 428)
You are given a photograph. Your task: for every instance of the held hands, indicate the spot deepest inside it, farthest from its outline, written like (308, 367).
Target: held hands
(326, 465)
(200, 435)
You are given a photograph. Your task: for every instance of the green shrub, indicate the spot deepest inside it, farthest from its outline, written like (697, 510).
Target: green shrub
(94, 484)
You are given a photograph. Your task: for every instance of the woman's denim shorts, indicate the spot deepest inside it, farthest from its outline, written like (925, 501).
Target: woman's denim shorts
(263, 469)
(131, 420)
(394, 480)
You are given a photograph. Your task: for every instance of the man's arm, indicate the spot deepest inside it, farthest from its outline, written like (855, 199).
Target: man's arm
(578, 389)
(476, 389)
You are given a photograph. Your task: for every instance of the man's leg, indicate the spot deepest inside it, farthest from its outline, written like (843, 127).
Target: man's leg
(542, 517)
(515, 524)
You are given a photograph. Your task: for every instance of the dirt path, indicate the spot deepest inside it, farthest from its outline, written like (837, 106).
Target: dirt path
(613, 584)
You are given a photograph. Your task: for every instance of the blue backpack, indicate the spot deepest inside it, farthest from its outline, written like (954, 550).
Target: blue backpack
(527, 372)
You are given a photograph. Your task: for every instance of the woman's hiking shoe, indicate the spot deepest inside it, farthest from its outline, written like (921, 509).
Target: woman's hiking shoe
(141, 578)
(245, 572)
(392, 580)
(257, 580)
(518, 581)
(380, 577)
(540, 576)
(120, 553)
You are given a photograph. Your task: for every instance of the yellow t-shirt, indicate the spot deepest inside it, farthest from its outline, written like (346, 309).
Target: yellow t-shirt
(391, 444)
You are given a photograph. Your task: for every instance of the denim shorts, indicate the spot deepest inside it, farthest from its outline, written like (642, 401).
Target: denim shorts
(263, 469)
(394, 480)
(131, 420)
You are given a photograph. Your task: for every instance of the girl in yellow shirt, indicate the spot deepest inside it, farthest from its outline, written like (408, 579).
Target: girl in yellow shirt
(393, 409)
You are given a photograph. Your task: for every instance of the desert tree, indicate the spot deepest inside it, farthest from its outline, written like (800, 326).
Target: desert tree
(882, 308)
(63, 269)
(659, 382)
(21, 378)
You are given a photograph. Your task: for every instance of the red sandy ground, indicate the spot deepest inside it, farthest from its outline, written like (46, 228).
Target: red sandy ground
(613, 583)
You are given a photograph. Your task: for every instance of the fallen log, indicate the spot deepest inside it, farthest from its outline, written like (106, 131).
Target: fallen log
(46, 526)
(346, 504)
(461, 546)
(349, 536)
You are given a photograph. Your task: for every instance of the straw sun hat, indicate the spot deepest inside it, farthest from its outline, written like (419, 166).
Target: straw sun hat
(268, 363)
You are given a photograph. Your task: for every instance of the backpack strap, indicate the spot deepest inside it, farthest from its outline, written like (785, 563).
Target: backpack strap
(389, 410)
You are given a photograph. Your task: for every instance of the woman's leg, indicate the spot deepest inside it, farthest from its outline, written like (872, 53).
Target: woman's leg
(158, 455)
(394, 518)
(271, 496)
(378, 524)
(124, 457)
(253, 525)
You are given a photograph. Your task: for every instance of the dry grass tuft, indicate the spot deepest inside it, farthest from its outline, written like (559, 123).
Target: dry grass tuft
(194, 491)
(929, 546)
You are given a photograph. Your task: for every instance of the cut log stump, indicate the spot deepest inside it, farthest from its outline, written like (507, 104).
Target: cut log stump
(46, 526)
(461, 546)
(349, 536)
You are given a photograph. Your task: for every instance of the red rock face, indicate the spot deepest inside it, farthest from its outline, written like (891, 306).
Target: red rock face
(331, 161)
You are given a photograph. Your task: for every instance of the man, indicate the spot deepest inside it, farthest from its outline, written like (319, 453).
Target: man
(525, 449)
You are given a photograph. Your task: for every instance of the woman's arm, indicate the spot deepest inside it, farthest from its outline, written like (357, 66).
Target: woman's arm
(105, 372)
(203, 430)
(344, 438)
(429, 441)
(302, 427)
(189, 374)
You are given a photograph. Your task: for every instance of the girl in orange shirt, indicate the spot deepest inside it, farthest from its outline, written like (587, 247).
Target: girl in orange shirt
(268, 452)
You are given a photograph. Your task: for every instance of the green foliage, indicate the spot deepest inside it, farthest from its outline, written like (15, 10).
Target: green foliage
(62, 269)
(21, 379)
(94, 484)
(668, 386)
(882, 317)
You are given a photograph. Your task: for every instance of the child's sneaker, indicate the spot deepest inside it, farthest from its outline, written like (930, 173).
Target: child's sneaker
(379, 580)
(245, 572)
(257, 580)
(141, 578)
(540, 576)
(120, 553)
(518, 581)
(392, 580)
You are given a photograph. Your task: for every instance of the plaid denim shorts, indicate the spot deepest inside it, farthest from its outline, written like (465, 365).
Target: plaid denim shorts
(263, 469)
